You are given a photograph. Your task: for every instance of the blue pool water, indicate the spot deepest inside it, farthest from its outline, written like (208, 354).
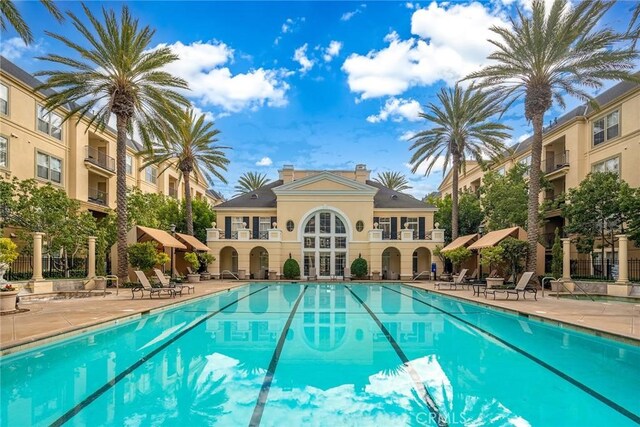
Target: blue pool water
(325, 355)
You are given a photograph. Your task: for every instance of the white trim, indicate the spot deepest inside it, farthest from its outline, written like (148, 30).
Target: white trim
(293, 187)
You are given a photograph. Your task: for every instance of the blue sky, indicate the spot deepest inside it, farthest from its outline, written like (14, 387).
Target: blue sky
(320, 85)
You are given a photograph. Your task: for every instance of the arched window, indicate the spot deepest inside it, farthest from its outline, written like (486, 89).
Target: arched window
(325, 244)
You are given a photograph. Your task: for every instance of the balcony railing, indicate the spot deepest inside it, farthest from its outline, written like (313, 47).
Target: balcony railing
(99, 158)
(557, 162)
(98, 196)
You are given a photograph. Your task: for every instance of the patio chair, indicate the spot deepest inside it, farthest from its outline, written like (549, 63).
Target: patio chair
(521, 287)
(166, 283)
(312, 274)
(473, 278)
(457, 281)
(146, 286)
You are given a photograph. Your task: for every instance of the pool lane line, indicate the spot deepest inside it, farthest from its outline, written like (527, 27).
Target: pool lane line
(418, 384)
(610, 403)
(275, 358)
(96, 394)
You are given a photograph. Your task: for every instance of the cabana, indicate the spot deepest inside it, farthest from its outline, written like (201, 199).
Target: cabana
(465, 241)
(192, 245)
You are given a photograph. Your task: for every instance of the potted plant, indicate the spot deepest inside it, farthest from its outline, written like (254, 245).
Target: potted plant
(205, 259)
(556, 263)
(492, 257)
(8, 293)
(192, 258)
(359, 268)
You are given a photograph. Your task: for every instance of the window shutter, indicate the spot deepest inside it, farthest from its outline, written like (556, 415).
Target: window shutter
(227, 227)
(273, 219)
(394, 228)
(421, 228)
(256, 227)
(403, 220)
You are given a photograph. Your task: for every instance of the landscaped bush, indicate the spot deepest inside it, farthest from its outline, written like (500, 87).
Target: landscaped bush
(359, 268)
(492, 257)
(8, 251)
(143, 256)
(457, 256)
(515, 254)
(192, 258)
(291, 269)
(205, 259)
(556, 257)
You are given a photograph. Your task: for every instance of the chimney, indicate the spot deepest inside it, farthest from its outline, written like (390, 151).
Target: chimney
(286, 173)
(362, 174)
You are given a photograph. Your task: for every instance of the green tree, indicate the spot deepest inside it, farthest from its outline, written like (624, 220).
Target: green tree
(457, 256)
(144, 256)
(462, 126)
(291, 269)
(545, 55)
(492, 256)
(152, 210)
(9, 15)
(250, 181)
(393, 180)
(470, 214)
(117, 74)
(515, 254)
(504, 198)
(203, 216)
(105, 238)
(633, 31)
(359, 267)
(187, 143)
(556, 256)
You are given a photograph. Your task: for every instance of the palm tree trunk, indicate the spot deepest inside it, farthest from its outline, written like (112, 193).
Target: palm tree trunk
(534, 192)
(187, 202)
(121, 197)
(454, 197)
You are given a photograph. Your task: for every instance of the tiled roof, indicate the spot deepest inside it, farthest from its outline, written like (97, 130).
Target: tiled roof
(263, 197)
(387, 198)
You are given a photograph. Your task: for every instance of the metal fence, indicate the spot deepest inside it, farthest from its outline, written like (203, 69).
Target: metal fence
(597, 270)
(52, 268)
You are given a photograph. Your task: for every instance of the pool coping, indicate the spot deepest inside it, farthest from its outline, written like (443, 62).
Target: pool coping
(540, 318)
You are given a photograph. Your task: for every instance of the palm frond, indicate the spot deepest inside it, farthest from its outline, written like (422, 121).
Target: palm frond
(393, 180)
(250, 181)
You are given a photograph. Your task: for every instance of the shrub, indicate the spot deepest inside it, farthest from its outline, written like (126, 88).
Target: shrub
(205, 259)
(192, 258)
(8, 251)
(457, 256)
(556, 257)
(492, 256)
(515, 253)
(359, 267)
(291, 269)
(143, 256)
(162, 258)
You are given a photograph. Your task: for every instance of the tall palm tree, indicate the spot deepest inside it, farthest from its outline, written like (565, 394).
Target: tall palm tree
(633, 31)
(250, 181)
(187, 143)
(116, 74)
(462, 127)
(10, 15)
(393, 180)
(546, 55)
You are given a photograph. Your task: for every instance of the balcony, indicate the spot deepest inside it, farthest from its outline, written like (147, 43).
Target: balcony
(98, 197)
(95, 157)
(556, 162)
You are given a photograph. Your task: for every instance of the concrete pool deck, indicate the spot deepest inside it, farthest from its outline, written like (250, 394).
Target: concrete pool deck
(47, 320)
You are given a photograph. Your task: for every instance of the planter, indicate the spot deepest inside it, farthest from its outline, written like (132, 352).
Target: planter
(3, 268)
(205, 276)
(193, 278)
(8, 301)
(495, 281)
(556, 286)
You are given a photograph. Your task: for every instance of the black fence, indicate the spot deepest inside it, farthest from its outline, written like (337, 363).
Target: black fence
(52, 268)
(634, 270)
(597, 270)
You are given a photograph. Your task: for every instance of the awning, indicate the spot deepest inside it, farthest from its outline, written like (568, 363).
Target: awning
(160, 236)
(461, 241)
(193, 242)
(493, 238)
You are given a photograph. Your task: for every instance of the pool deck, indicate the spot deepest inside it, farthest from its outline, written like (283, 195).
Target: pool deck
(48, 320)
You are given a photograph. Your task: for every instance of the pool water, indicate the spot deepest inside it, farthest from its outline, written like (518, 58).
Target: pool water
(325, 355)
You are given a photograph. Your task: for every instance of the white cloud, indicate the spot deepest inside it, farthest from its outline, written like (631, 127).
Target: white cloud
(397, 109)
(410, 5)
(406, 136)
(14, 48)
(300, 56)
(201, 64)
(450, 43)
(348, 15)
(422, 169)
(332, 50)
(265, 161)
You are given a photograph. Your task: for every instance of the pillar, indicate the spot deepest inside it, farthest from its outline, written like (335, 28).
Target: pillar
(37, 257)
(566, 259)
(623, 263)
(91, 257)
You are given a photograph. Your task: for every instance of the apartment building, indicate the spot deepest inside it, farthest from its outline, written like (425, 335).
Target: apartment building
(35, 143)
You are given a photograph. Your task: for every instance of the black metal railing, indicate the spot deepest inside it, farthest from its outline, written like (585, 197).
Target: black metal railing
(556, 162)
(99, 158)
(98, 196)
(591, 269)
(52, 268)
(634, 270)
(263, 235)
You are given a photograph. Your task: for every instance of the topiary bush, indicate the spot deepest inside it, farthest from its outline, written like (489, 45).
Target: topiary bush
(359, 267)
(291, 269)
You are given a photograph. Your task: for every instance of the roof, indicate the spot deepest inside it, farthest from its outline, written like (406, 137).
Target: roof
(263, 197)
(493, 238)
(387, 198)
(461, 241)
(160, 236)
(214, 194)
(196, 244)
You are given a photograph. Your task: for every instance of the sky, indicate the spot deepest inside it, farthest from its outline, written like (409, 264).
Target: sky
(318, 85)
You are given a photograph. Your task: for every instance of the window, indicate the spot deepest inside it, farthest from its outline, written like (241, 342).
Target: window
(325, 244)
(49, 168)
(325, 223)
(4, 99)
(359, 226)
(49, 123)
(290, 226)
(606, 128)
(236, 224)
(340, 228)
(4, 152)
(526, 162)
(151, 174)
(129, 165)
(264, 227)
(412, 224)
(385, 226)
(311, 225)
(610, 165)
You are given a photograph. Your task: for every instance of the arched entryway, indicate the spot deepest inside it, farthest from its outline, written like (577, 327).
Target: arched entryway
(259, 263)
(325, 243)
(421, 262)
(391, 264)
(228, 261)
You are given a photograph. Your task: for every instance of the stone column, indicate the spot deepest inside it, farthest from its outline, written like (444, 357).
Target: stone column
(623, 263)
(566, 259)
(37, 257)
(91, 257)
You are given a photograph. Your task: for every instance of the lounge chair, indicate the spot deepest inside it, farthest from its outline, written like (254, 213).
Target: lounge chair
(312, 274)
(521, 287)
(346, 275)
(146, 286)
(166, 283)
(473, 278)
(457, 281)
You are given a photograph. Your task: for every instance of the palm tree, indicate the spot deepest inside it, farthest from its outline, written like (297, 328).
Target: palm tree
(187, 143)
(549, 54)
(250, 181)
(393, 180)
(462, 128)
(633, 32)
(117, 74)
(9, 15)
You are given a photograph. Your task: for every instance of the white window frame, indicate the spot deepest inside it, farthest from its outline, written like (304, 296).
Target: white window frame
(129, 165)
(47, 117)
(49, 157)
(604, 165)
(605, 127)
(264, 227)
(5, 113)
(236, 224)
(4, 157)
(384, 224)
(526, 161)
(151, 174)
(312, 256)
(412, 224)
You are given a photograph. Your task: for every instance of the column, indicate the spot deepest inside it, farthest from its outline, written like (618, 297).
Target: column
(623, 263)
(37, 256)
(566, 259)
(91, 257)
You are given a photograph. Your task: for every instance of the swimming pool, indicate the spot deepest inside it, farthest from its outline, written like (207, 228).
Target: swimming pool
(324, 354)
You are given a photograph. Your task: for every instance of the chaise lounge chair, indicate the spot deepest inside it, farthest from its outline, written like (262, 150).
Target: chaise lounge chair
(146, 286)
(521, 287)
(166, 283)
(457, 281)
